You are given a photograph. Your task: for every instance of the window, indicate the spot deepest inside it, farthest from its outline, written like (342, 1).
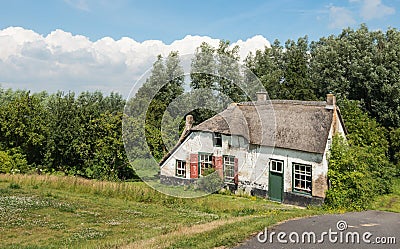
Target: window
(180, 168)
(217, 140)
(302, 178)
(276, 166)
(229, 168)
(205, 162)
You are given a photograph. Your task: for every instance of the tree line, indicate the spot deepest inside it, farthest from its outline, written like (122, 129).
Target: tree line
(63, 132)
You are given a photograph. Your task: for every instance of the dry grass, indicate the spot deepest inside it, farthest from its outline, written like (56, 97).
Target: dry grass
(165, 240)
(69, 212)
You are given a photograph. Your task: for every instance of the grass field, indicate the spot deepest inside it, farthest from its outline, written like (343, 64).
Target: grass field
(390, 202)
(69, 212)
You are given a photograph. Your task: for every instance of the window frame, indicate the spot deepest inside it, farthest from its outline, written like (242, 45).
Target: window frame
(217, 139)
(307, 178)
(276, 161)
(200, 168)
(177, 169)
(230, 178)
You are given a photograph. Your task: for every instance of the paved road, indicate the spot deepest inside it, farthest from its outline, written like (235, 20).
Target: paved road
(371, 227)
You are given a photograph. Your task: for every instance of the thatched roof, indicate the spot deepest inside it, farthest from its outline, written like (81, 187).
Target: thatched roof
(297, 125)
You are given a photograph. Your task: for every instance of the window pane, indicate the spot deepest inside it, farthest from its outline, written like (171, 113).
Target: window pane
(229, 168)
(276, 166)
(180, 168)
(217, 139)
(302, 178)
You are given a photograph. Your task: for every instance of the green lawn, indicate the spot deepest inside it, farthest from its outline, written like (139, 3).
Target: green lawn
(69, 212)
(390, 202)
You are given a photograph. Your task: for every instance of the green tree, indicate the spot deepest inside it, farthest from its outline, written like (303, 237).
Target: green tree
(61, 154)
(296, 82)
(361, 65)
(23, 125)
(151, 101)
(359, 168)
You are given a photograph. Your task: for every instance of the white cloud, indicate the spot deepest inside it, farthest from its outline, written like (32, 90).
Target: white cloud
(63, 61)
(252, 44)
(375, 9)
(340, 17)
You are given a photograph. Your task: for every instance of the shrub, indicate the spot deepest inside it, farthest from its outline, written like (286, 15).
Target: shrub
(210, 181)
(12, 161)
(356, 175)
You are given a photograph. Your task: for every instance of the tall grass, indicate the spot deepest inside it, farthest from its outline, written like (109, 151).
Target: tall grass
(141, 192)
(134, 191)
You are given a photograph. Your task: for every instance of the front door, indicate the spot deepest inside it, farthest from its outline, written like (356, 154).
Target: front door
(275, 185)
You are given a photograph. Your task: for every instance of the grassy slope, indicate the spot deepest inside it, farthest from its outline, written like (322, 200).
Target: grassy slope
(57, 212)
(390, 202)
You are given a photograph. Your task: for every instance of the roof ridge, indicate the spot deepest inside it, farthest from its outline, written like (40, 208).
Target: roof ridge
(284, 101)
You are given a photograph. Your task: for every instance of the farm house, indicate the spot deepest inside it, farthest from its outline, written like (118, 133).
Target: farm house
(277, 149)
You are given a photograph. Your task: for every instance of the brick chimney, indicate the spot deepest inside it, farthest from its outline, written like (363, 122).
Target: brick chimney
(189, 122)
(261, 96)
(330, 101)
(188, 126)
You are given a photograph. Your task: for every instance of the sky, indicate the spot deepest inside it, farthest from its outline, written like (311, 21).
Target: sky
(79, 45)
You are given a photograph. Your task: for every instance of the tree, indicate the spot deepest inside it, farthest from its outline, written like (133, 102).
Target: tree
(150, 102)
(228, 76)
(296, 82)
(359, 168)
(23, 125)
(61, 154)
(361, 65)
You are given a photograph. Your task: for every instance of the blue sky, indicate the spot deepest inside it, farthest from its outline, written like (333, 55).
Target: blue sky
(172, 20)
(64, 36)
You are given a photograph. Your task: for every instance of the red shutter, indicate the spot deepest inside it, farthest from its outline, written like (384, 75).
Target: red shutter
(194, 166)
(236, 170)
(219, 166)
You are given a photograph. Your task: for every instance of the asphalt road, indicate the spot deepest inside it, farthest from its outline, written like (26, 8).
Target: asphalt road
(374, 229)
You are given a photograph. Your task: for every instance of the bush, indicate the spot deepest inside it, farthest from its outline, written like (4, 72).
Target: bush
(356, 175)
(12, 161)
(210, 181)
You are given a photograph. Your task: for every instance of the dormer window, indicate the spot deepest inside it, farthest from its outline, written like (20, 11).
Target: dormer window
(217, 139)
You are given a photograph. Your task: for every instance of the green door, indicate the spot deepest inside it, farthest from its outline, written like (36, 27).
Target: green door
(275, 186)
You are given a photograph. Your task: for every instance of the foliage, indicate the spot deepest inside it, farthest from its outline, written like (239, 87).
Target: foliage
(285, 71)
(361, 65)
(389, 202)
(77, 135)
(395, 148)
(12, 161)
(359, 169)
(210, 182)
(146, 109)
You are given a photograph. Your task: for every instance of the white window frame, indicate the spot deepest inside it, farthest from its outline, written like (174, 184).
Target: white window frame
(302, 178)
(229, 167)
(205, 159)
(274, 166)
(180, 170)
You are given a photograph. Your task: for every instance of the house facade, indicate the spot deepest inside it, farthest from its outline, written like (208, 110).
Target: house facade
(277, 149)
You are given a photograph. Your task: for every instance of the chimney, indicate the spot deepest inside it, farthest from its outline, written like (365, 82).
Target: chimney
(188, 126)
(330, 101)
(189, 122)
(261, 96)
